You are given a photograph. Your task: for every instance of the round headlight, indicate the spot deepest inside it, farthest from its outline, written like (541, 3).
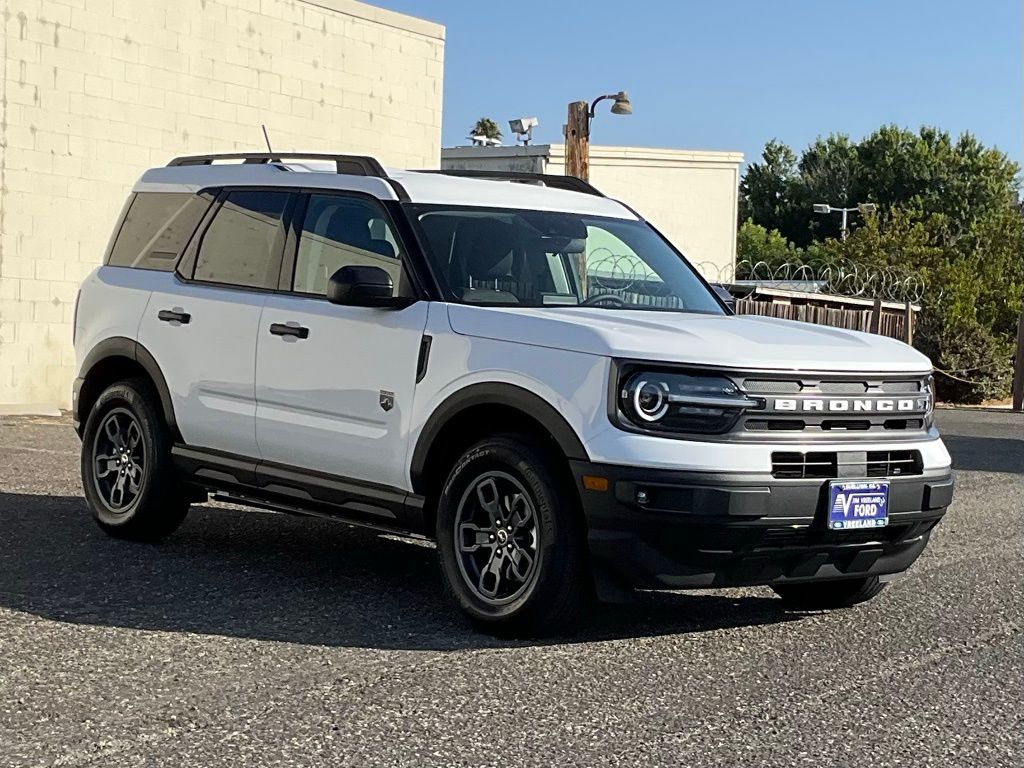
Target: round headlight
(666, 401)
(650, 399)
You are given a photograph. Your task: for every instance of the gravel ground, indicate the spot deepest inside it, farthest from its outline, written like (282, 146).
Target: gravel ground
(259, 639)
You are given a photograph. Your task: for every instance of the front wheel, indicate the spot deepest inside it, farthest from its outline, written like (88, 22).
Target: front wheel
(126, 466)
(828, 595)
(511, 546)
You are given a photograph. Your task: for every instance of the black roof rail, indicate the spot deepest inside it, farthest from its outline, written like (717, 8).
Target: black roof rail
(350, 165)
(568, 183)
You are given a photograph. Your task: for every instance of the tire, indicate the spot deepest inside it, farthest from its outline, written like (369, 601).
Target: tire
(829, 595)
(540, 581)
(127, 475)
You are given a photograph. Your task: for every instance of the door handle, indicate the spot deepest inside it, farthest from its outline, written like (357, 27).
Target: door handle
(283, 329)
(174, 316)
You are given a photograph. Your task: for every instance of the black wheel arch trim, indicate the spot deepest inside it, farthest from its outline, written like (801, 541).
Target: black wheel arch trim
(494, 393)
(121, 346)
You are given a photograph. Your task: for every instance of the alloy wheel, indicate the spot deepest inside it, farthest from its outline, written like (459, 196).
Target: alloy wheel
(497, 538)
(119, 459)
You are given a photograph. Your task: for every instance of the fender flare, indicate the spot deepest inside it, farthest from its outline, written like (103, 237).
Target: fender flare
(495, 393)
(121, 346)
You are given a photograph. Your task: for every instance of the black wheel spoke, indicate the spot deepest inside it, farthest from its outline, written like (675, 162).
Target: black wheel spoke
(105, 465)
(487, 495)
(117, 491)
(472, 537)
(113, 432)
(520, 512)
(490, 576)
(521, 563)
(134, 435)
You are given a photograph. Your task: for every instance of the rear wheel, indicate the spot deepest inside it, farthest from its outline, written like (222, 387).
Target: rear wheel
(511, 547)
(127, 474)
(827, 595)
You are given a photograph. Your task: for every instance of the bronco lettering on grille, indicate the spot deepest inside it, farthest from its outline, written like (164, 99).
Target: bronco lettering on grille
(850, 405)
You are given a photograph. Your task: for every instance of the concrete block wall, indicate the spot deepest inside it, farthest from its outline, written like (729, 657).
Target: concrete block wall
(93, 92)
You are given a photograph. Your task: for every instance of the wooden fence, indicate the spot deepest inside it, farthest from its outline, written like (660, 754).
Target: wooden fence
(885, 318)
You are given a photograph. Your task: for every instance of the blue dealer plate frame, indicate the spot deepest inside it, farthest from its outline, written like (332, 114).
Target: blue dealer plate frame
(858, 504)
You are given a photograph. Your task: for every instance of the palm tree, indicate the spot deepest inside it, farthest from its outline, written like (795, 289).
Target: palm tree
(487, 128)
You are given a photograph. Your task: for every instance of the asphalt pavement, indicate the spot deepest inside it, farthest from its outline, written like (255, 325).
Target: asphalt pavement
(254, 639)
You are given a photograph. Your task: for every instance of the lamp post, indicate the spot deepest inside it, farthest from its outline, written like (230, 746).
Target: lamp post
(577, 131)
(863, 208)
(1017, 389)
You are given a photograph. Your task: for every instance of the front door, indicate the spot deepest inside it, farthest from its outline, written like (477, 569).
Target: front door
(334, 384)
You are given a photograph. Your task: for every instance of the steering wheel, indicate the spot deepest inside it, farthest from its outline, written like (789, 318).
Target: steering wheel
(602, 298)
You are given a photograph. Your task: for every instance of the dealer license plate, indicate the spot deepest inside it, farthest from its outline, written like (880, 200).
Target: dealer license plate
(858, 504)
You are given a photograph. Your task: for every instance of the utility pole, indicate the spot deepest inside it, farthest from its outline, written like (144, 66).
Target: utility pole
(577, 131)
(1018, 367)
(577, 141)
(1018, 359)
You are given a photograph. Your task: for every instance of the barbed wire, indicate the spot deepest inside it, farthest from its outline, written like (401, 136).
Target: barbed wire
(839, 277)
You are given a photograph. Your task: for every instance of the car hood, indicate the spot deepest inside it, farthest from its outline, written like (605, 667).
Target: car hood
(728, 341)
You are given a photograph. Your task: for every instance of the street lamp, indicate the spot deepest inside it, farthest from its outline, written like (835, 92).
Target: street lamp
(620, 107)
(577, 131)
(863, 208)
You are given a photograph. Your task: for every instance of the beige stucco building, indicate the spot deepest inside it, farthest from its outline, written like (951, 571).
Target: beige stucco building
(96, 91)
(690, 195)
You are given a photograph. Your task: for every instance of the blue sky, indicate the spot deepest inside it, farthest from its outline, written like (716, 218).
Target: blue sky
(731, 74)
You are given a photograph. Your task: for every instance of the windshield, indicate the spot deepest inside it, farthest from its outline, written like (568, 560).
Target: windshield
(539, 258)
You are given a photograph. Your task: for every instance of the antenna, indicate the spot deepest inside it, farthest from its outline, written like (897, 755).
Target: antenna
(267, 137)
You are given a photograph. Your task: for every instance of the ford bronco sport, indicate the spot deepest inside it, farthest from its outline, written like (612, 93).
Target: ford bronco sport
(514, 365)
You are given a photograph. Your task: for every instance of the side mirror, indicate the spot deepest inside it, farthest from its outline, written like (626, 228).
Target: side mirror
(363, 286)
(727, 298)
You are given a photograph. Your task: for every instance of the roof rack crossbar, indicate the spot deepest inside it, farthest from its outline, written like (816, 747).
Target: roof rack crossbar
(568, 183)
(350, 165)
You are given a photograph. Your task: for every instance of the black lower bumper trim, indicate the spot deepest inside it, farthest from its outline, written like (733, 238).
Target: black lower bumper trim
(658, 529)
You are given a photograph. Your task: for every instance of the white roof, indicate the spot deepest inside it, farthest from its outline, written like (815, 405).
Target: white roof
(421, 187)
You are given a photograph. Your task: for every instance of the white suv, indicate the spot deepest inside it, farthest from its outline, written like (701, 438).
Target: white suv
(515, 365)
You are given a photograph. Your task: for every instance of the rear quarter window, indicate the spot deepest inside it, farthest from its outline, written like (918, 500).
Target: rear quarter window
(156, 228)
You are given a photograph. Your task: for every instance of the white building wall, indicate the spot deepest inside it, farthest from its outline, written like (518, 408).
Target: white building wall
(96, 91)
(690, 196)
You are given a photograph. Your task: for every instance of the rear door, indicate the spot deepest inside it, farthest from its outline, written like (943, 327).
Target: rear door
(335, 396)
(201, 325)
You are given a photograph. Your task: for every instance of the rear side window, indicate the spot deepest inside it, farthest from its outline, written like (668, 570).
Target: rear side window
(156, 229)
(243, 244)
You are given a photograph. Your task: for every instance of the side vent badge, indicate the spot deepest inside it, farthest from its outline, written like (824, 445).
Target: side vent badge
(387, 400)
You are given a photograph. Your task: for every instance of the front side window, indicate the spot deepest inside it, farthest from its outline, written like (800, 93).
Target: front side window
(243, 244)
(540, 258)
(340, 231)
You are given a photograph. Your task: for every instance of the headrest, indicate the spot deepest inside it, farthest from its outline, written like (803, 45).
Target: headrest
(484, 247)
(351, 225)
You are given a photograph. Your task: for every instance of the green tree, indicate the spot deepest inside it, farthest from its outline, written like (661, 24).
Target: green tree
(946, 210)
(755, 244)
(487, 128)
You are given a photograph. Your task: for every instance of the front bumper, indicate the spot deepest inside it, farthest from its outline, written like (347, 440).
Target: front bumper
(667, 529)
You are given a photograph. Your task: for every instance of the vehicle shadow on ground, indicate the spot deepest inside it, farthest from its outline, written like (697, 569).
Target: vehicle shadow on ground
(271, 577)
(986, 454)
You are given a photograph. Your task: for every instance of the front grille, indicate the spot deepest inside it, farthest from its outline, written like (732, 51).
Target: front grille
(825, 465)
(837, 405)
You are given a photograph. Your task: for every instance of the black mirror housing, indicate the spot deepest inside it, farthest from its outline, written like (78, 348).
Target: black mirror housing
(360, 285)
(727, 298)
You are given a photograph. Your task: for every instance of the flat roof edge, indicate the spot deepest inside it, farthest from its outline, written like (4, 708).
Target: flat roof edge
(388, 18)
(597, 152)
